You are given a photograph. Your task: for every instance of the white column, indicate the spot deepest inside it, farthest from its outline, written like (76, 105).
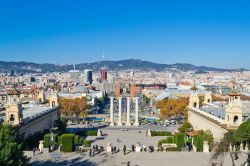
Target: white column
(128, 112)
(136, 111)
(111, 111)
(120, 112)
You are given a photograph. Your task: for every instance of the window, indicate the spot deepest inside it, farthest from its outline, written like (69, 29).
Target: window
(235, 120)
(12, 118)
(53, 103)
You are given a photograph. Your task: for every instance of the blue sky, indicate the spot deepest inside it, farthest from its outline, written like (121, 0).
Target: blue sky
(208, 32)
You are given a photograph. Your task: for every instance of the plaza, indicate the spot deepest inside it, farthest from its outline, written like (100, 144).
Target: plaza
(127, 137)
(135, 159)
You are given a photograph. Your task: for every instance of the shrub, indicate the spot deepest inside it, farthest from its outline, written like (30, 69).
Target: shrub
(80, 140)
(160, 133)
(180, 140)
(59, 140)
(177, 149)
(91, 133)
(87, 133)
(86, 143)
(168, 140)
(46, 140)
(76, 139)
(201, 137)
(67, 142)
(198, 142)
(185, 127)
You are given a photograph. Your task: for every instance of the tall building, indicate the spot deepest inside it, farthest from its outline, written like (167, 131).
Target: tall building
(74, 75)
(132, 90)
(88, 76)
(103, 74)
(12, 73)
(117, 89)
(132, 73)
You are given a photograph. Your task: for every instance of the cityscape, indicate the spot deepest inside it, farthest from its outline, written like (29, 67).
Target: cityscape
(124, 83)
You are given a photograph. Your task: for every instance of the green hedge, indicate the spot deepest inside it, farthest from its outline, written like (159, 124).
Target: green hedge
(87, 133)
(180, 140)
(173, 149)
(160, 133)
(76, 139)
(59, 140)
(168, 140)
(80, 140)
(46, 140)
(201, 137)
(86, 143)
(198, 142)
(67, 142)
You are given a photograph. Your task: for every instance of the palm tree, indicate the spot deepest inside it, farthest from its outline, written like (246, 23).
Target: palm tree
(223, 148)
(233, 138)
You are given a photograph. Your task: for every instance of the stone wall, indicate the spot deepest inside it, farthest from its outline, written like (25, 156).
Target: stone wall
(201, 122)
(40, 124)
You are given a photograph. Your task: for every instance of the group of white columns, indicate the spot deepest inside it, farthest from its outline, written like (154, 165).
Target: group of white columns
(119, 123)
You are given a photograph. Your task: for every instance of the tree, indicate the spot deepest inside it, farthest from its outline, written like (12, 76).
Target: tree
(185, 126)
(74, 107)
(170, 107)
(10, 151)
(242, 134)
(222, 149)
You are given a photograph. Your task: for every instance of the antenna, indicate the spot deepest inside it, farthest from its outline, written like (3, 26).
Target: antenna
(103, 55)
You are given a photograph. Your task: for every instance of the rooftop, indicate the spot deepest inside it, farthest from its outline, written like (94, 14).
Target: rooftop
(32, 111)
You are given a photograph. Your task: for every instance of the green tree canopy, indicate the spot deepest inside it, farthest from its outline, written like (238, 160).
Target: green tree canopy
(242, 134)
(10, 151)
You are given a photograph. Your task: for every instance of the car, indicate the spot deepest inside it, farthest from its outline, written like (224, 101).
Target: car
(173, 122)
(167, 123)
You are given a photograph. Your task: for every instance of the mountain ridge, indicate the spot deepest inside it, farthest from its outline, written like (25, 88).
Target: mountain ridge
(31, 67)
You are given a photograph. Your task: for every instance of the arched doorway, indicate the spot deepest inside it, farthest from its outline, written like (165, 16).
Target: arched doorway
(195, 104)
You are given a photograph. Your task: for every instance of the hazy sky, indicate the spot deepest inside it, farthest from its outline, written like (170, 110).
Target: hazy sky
(203, 32)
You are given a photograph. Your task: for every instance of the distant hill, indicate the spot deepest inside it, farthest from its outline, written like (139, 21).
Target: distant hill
(29, 67)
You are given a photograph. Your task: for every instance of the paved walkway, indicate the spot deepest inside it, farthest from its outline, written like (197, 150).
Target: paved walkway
(125, 138)
(135, 159)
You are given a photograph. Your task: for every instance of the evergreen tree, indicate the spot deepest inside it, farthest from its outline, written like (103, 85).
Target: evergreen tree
(10, 151)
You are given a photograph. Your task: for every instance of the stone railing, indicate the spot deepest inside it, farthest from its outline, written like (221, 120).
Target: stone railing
(208, 115)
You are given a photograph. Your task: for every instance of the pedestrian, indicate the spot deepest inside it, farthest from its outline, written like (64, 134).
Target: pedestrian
(124, 149)
(99, 151)
(34, 151)
(189, 147)
(133, 147)
(112, 149)
(90, 152)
